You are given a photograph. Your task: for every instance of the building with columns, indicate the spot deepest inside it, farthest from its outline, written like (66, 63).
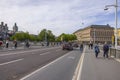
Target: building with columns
(95, 34)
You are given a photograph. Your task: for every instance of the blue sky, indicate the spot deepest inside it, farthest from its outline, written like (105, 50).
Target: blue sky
(60, 16)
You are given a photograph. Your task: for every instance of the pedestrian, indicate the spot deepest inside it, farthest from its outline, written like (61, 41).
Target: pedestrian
(27, 44)
(81, 47)
(97, 50)
(105, 50)
(7, 43)
(91, 45)
(15, 44)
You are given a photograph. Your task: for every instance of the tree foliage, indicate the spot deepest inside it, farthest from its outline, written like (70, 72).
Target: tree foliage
(42, 36)
(22, 36)
(66, 37)
(46, 35)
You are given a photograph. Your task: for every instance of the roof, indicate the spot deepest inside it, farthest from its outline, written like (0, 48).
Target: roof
(95, 26)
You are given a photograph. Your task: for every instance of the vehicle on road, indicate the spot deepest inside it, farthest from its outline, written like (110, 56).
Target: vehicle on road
(75, 45)
(67, 46)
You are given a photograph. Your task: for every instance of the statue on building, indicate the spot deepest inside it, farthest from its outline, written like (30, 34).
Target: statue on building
(3, 30)
(15, 28)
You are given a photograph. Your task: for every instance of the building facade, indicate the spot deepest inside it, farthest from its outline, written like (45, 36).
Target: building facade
(15, 28)
(95, 34)
(5, 32)
(118, 34)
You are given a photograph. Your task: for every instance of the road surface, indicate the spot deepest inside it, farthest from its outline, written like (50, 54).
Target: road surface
(18, 64)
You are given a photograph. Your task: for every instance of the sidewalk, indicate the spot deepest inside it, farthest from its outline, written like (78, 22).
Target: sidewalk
(99, 68)
(19, 48)
(22, 48)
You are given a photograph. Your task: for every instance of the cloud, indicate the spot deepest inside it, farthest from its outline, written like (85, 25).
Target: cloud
(60, 16)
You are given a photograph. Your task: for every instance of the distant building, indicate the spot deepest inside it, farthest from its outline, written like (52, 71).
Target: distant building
(95, 34)
(5, 33)
(15, 28)
(118, 35)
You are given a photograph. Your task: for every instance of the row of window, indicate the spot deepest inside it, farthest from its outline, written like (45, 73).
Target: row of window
(102, 34)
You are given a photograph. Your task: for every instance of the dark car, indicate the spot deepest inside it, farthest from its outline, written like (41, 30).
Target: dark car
(75, 45)
(1, 43)
(67, 47)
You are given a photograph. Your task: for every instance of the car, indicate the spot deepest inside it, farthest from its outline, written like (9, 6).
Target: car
(67, 47)
(1, 43)
(75, 45)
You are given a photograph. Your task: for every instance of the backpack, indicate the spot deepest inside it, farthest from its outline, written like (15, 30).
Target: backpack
(106, 48)
(97, 49)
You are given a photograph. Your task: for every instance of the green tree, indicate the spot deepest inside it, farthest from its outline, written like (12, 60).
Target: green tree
(46, 34)
(20, 36)
(66, 37)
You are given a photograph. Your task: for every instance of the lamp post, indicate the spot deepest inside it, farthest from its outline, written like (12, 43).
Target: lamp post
(116, 21)
(46, 37)
(94, 36)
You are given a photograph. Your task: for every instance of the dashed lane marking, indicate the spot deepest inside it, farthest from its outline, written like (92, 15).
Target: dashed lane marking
(10, 62)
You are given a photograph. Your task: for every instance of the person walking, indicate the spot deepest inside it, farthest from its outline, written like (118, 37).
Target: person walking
(97, 50)
(7, 43)
(27, 44)
(81, 47)
(105, 50)
(15, 44)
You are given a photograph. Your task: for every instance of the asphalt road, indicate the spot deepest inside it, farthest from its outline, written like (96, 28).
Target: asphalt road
(61, 69)
(19, 63)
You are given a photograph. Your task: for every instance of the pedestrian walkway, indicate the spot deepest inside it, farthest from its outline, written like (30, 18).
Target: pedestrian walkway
(99, 68)
(19, 48)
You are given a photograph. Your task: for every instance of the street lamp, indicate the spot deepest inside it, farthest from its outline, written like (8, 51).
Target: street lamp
(94, 36)
(46, 37)
(116, 21)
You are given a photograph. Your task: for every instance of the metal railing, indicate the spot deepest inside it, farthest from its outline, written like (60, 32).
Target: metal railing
(114, 53)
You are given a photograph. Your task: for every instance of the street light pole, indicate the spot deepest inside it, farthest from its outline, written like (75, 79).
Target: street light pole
(116, 5)
(116, 20)
(94, 36)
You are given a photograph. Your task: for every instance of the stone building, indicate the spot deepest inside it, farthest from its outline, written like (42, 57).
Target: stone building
(118, 35)
(95, 34)
(15, 28)
(5, 32)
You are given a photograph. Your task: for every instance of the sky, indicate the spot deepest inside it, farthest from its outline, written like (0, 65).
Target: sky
(59, 16)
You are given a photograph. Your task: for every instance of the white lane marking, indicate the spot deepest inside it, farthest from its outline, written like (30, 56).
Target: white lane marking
(23, 52)
(10, 62)
(78, 71)
(27, 76)
(45, 53)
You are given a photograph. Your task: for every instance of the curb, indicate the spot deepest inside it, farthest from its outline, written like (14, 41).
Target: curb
(77, 74)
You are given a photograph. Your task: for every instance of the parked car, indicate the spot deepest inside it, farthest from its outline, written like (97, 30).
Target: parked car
(67, 46)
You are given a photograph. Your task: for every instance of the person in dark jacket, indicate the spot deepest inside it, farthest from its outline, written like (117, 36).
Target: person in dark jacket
(81, 47)
(7, 43)
(15, 44)
(105, 50)
(97, 50)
